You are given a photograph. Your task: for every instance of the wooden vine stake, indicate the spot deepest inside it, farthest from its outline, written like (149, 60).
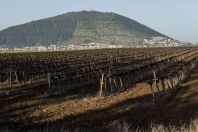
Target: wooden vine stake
(10, 77)
(121, 84)
(101, 85)
(155, 84)
(49, 82)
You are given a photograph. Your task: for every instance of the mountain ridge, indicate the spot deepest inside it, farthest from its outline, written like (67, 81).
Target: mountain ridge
(77, 28)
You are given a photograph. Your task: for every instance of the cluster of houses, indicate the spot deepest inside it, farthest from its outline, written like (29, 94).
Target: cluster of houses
(91, 45)
(154, 42)
(39, 48)
(161, 42)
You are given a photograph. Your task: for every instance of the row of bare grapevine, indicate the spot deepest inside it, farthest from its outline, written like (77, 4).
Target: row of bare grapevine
(112, 69)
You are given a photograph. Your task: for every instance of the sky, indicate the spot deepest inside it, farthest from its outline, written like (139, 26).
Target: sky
(175, 18)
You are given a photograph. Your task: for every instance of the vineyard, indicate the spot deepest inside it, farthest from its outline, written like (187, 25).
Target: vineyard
(114, 70)
(105, 71)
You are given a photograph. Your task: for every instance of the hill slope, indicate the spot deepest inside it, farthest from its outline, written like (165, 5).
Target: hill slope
(76, 28)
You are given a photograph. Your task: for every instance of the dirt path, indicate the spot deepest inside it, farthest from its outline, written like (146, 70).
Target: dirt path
(34, 106)
(77, 106)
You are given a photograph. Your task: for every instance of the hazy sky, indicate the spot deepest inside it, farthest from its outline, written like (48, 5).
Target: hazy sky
(175, 18)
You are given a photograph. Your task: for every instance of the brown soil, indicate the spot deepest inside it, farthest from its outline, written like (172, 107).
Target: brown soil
(33, 108)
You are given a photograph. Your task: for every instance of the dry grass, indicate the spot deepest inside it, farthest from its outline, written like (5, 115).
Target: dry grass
(193, 127)
(126, 127)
